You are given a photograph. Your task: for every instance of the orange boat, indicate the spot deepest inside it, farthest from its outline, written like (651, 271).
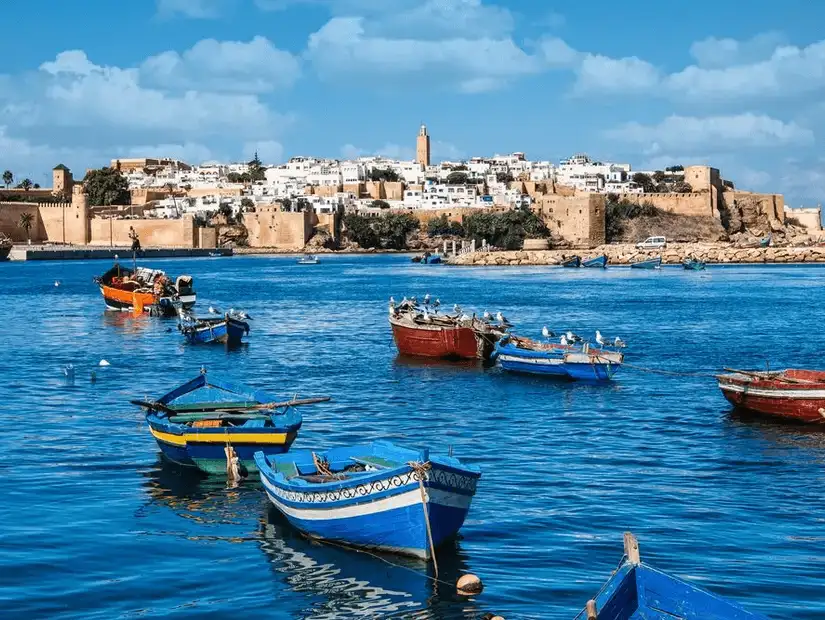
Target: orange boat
(145, 290)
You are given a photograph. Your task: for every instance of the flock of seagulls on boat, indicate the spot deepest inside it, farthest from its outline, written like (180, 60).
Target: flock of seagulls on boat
(569, 338)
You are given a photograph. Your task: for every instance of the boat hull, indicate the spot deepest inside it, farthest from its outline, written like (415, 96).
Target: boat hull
(573, 263)
(653, 263)
(204, 447)
(230, 332)
(5, 250)
(441, 342)
(127, 301)
(600, 262)
(385, 511)
(784, 402)
(560, 361)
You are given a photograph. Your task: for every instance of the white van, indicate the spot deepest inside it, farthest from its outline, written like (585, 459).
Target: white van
(652, 243)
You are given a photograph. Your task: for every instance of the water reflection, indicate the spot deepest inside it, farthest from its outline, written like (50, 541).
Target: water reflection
(346, 583)
(405, 361)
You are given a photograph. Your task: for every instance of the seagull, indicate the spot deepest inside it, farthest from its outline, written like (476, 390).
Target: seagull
(103, 363)
(563, 340)
(392, 300)
(232, 311)
(213, 310)
(427, 299)
(426, 317)
(69, 371)
(619, 343)
(243, 315)
(573, 337)
(487, 316)
(502, 319)
(456, 308)
(547, 333)
(464, 317)
(393, 310)
(57, 282)
(436, 303)
(599, 338)
(413, 300)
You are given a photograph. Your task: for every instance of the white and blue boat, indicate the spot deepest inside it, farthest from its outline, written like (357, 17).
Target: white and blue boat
(227, 329)
(576, 361)
(649, 263)
(597, 262)
(637, 590)
(379, 496)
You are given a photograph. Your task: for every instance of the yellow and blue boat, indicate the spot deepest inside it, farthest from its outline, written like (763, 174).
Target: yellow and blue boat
(194, 423)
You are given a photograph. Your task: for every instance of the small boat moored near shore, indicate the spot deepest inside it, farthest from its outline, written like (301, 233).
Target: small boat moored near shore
(421, 330)
(227, 329)
(577, 361)
(573, 261)
(636, 590)
(379, 496)
(649, 263)
(692, 264)
(792, 394)
(145, 290)
(6, 245)
(597, 262)
(194, 423)
(308, 259)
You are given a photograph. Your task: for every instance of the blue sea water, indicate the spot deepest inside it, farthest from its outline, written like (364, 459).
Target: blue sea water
(94, 525)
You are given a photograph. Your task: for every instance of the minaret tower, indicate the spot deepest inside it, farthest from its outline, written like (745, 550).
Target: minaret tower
(422, 147)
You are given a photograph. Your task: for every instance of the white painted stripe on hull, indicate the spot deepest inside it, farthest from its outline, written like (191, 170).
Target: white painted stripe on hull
(770, 393)
(402, 500)
(532, 360)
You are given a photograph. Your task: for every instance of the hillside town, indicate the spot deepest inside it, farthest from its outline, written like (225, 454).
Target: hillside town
(577, 202)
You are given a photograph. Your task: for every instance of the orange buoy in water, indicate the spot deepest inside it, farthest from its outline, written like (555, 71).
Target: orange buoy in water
(469, 584)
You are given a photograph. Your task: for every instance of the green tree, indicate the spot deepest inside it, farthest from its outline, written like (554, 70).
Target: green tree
(302, 204)
(389, 230)
(107, 186)
(682, 187)
(677, 168)
(457, 178)
(8, 178)
(444, 226)
(225, 210)
(658, 176)
(26, 184)
(504, 177)
(286, 203)
(26, 222)
(359, 229)
(247, 203)
(257, 171)
(380, 204)
(384, 174)
(36, 186)
(506, 229)
(644, 181)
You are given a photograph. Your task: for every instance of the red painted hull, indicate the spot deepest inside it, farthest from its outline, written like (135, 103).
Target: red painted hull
(454, 342)
(803, 401)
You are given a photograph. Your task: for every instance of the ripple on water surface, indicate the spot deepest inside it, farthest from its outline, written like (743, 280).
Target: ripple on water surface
(95, 526)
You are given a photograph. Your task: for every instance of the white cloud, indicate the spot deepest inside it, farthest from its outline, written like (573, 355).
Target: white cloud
(256, 66)
(342, 46)
(196, 9)
(609, 75)
(716, 53)
(720, 132)
(437, 19)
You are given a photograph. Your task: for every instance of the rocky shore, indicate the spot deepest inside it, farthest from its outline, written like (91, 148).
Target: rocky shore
(624, 254)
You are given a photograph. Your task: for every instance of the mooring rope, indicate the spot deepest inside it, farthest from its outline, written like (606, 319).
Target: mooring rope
(421, 470)
(672, 373)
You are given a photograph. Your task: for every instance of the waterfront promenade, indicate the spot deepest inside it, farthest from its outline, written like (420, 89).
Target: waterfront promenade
(84, 252)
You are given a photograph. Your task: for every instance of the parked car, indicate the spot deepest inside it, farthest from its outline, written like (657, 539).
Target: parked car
(652, 243)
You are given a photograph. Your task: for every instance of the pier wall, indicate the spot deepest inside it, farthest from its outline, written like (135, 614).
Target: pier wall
(269, 227)
(579, 219)
(64, 222)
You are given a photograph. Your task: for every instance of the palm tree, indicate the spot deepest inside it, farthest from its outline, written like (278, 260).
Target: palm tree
(26, 221)
(8, 178)
(26, 184)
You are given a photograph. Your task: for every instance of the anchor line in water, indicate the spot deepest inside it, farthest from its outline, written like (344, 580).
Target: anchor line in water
(672, 373)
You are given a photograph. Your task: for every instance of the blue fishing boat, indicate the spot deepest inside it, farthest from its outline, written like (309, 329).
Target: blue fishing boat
(435, 259)
(576, 361)
(691, 264)
(308, 259)
(194, 423)
(650, 263)
(228, 329)
(598, 262)
(378, 495)
(638, 591)
(573, 261)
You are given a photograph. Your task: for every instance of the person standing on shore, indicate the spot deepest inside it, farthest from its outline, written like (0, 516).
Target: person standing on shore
(135, 239)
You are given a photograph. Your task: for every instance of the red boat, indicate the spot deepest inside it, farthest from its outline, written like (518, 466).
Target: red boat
(792, 394)
(417, 332)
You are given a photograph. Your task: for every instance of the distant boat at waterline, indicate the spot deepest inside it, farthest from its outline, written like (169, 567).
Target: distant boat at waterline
(650, 263)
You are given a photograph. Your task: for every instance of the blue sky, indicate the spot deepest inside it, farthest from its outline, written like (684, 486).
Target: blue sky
(734, 84)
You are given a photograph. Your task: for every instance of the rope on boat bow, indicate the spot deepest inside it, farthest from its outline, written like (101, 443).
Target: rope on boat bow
(421, 470)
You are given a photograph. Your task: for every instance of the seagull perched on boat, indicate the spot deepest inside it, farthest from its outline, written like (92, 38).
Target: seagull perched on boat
(563, 340)
(413, 300)
(487, 316)
(456, 308)
(393, 310)
(599, 338)
(464, 317)
(243, 315)
(502, 319)
(619, 343)
(571, 337)
(426, 316)
(436, 303)
(213, 310)
(392, 300)
(547, 333)
(427, 299)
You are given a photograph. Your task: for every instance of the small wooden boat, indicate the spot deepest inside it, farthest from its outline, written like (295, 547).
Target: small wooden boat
(145, 290)
(577, 362)
(424, 332)
(792, 394)
(598, 262)
(215, 254)
(650, 263)
(639, 591)
(691, 264)
(573, 262)
(308, 259)
(435, 259)
(378, 495)
(227, 329)
(193, 423)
